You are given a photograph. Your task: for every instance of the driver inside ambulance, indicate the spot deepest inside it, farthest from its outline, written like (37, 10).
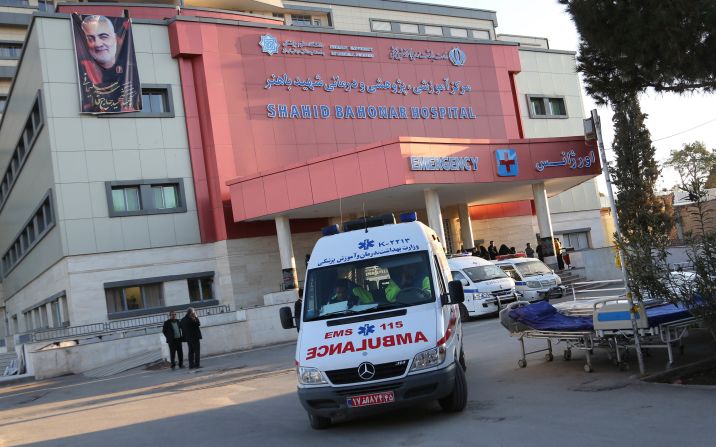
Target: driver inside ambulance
(346, 290)
(403, 278)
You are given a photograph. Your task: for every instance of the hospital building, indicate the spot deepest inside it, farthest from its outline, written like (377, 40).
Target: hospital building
(264, 121)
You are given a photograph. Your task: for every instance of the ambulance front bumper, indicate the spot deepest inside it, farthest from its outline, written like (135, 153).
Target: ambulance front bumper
(332, 401)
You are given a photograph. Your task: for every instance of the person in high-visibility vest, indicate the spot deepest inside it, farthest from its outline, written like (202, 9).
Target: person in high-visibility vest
(346, 290)
(407, 277)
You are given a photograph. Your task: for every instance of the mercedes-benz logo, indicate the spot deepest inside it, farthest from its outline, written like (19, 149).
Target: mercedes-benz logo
(366, 370)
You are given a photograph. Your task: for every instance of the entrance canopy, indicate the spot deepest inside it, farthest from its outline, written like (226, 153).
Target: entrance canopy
(392, 176)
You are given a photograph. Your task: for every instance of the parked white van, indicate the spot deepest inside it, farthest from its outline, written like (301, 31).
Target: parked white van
(379, 326)
(533, 279)
(487, 287)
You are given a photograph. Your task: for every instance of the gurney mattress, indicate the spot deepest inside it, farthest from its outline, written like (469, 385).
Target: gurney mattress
(544, 317)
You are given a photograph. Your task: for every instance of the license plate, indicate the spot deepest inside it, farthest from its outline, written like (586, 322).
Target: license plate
(367, 400)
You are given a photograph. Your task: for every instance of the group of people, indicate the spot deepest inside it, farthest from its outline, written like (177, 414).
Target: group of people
(185, 330)
(491, 252)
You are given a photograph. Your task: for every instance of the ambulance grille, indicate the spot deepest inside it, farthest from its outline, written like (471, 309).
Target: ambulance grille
(382, 371)
(549, 282)
(502, 292)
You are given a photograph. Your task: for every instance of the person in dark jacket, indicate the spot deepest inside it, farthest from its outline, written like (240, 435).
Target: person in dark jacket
(173, 334)
(483, 253)
(192, 334)
(504, 250)
(492, 250)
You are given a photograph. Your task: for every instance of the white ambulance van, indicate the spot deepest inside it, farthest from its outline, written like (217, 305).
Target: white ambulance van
(533, 279)
(379, 326)
(487, 287)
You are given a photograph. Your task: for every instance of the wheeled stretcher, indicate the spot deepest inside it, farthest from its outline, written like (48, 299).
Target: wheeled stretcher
(608, 327)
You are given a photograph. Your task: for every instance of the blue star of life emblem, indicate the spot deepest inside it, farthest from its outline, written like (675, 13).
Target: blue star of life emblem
(269, 44)
(366, 329)
(366, 244)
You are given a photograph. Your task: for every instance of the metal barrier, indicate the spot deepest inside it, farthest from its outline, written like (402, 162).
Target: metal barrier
(592, 291)
(116, 325)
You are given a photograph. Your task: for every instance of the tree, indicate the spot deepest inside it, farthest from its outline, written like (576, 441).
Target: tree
(643, 219)
(628, 46)
(695, 163)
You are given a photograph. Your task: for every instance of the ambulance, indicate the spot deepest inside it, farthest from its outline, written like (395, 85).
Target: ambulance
(379, 326)
(487, 287)
(533, 279)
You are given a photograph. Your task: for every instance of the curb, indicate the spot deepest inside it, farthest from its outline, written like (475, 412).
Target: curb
(665, 377)
(6, 381)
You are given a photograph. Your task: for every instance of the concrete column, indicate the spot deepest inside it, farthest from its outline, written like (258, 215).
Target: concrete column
(468, 241)
(544, 221)
(50, 317)
(285, 249)
(435, 215)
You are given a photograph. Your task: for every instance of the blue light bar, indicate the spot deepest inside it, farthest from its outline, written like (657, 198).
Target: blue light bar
(330, 230)
(409, 217)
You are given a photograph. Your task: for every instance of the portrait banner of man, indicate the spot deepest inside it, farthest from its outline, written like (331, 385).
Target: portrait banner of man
(106, 64)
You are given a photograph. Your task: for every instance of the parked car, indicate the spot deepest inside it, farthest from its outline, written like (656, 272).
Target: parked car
(533, 279)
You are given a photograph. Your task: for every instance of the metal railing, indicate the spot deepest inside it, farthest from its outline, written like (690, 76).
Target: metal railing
(619, 290)
(117, 325)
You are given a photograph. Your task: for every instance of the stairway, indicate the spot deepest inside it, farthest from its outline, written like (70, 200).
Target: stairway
(5, 360)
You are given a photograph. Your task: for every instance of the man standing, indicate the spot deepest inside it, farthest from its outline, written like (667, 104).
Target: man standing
(529, 251)
(558, 252)
(492, 251)
(190, 327)
(173, 335)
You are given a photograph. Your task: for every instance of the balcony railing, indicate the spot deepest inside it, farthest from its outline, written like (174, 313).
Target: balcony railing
(115, 325)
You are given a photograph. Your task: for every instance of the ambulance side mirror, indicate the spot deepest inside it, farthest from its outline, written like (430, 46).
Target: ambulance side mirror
(286, 317)
(457, 294)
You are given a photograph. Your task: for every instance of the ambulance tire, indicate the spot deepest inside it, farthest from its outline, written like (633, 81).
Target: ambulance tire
(319, 422)
(457, 400)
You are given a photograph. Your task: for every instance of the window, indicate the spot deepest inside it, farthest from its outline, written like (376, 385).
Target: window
(381, 26)
(130, 198)
(546, 107)
(38, 225)
(10, 50)
(122, 299)
(457, 276)
(578, 240)
(165, 196)
(26, 140)
(481, 34)
(201, 289)
(408, 28)
(126, 199)
(458, 32)
(433, 30)
(155, 100)
(316, 21)
(28, 321)
(301, 19)
(56, 315)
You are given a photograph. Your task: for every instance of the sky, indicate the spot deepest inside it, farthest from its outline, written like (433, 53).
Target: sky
(673, 120)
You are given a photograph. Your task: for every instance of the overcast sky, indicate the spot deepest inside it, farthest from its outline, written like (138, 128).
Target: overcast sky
(668, 114)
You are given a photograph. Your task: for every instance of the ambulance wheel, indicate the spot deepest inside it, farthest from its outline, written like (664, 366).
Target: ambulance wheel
(457, 400)
(464, 314)
(461, 360)
(319, 422)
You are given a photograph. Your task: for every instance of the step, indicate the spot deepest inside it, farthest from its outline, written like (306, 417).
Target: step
(124, 364)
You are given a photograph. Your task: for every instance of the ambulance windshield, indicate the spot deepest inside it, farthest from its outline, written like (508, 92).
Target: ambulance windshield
(368, 286)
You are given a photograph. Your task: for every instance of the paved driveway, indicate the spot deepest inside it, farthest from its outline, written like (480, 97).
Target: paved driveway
(248, 399)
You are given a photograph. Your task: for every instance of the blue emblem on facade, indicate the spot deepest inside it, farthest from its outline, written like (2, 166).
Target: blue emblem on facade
(457, 57)
(269, 44)
(506, 162)
(366, 330)
(366, 244)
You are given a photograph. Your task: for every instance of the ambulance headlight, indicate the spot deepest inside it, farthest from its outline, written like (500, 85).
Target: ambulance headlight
(534, 284)
(309, 376)
(428, 359)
